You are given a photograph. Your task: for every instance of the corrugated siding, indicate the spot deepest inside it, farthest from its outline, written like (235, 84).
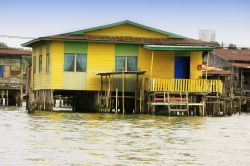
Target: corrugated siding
(127, 30)
(126, 50)
(195, 60)
(74, 80)
(57, 61)
(100, 58)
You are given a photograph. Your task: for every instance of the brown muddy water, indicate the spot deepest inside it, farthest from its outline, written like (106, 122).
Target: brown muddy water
(64, 138)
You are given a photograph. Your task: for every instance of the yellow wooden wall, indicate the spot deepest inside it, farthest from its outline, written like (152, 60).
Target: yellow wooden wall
(195, 60)
(163, 63)
(57, 63)
(100, 58)
(127, 30)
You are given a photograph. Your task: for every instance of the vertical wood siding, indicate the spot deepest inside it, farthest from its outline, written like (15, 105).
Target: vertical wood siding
(101, 58)
(195, 60)
(127, 30)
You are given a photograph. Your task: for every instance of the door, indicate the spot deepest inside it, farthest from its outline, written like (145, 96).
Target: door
(1, 71)
(182, 67)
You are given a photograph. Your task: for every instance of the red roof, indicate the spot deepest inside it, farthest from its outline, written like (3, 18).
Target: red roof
(219, 72)
(117, 39)
(142, 40)
(13, 51)
(242, 65)
(232, 55)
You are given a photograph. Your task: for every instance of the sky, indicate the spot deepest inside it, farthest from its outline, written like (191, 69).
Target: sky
(36, 18)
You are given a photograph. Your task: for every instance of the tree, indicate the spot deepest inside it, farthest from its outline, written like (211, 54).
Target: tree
(3, 45)
(232, 46)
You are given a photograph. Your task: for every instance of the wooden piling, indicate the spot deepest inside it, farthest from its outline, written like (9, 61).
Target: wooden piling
(116, 100)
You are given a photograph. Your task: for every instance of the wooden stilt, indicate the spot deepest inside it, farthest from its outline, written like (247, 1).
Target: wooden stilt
(123, 89)
(7, 97)
(116, 100)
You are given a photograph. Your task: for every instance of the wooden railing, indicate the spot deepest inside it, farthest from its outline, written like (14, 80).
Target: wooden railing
(185, 85)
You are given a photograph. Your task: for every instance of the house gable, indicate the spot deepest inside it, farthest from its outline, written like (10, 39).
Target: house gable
(126, 28)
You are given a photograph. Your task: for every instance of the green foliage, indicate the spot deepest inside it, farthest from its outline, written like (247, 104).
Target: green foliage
(232, 46)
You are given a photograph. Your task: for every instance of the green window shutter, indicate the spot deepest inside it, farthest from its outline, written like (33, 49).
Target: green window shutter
(126, 50)
(75, 47)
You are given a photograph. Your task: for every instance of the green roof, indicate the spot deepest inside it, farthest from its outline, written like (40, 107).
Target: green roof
(178, 48)
(171, 35)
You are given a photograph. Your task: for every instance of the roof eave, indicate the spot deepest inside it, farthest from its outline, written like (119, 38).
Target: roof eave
(178, 48)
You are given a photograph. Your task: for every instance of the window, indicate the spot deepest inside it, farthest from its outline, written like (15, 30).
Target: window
(34, 64)
(40, 63)
(81, 62)
(47, 62)
(120, 63)
(75, 62)
(132, 63)
(69, 62)
(126, 63)
(47, 59)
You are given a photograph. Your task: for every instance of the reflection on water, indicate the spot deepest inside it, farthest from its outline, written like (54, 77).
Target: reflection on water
(64, 138)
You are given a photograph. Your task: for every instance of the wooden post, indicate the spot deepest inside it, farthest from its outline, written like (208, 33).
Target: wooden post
(140, 101)
(152, 63)
(109, 95)
(123, 88)
(7, 97)
(1, 100)
(60, 101)
(142, 95)
(169, 108)
(207, 65)
(136, 93)
(116, 100)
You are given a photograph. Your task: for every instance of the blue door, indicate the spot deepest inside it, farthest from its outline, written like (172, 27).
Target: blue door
(1, 71)
(182, 67)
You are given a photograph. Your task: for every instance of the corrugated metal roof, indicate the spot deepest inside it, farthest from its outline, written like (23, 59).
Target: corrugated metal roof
(242, 65)
(119, 39)
(14, 51)
(215, 71)
(232, 55)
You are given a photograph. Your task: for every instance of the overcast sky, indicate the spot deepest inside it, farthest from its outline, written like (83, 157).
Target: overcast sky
(32, 18)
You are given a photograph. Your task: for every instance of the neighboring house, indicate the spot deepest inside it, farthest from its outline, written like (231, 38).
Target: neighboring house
(13, 64)
(236, 62)
(71, 63)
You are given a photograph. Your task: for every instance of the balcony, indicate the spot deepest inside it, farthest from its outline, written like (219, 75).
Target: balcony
(185, 85)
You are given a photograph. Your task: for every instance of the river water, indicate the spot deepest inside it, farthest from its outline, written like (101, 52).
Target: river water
(64, 138)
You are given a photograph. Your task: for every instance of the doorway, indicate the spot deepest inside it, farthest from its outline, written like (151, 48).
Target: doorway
(182, 67)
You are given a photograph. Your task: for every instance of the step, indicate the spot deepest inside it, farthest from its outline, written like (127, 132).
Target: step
(179, 110)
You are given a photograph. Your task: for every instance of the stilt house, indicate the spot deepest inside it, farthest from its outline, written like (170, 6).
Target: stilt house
(13, 64)
(119, 67)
